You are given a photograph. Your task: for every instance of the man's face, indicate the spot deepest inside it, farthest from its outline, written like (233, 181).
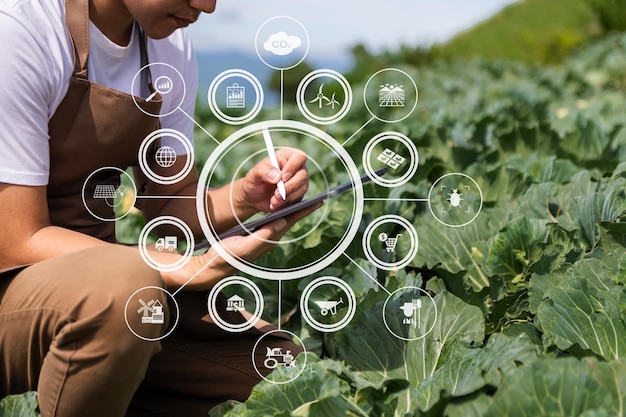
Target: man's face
(159, 18)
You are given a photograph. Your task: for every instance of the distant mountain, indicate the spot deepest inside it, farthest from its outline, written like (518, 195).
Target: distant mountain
(529, 30)
(214, 63)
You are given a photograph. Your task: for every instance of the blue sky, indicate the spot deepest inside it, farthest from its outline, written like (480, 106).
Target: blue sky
(334, 26)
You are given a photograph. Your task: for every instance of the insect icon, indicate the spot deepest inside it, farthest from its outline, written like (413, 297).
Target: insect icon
(455, 198)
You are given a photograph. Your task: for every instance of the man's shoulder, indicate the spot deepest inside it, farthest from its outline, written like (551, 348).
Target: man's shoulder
(38, 25)
(34, 35)
(38, 16)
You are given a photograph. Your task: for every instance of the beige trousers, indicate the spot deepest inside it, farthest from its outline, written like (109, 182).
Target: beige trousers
(63, 333)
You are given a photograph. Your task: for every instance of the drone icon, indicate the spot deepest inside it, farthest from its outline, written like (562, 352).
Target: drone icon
(321, 97)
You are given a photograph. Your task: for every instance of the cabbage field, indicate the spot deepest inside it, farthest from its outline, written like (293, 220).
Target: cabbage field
(530, 298)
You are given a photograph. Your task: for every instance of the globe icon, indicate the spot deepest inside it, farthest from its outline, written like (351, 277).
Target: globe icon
(165, 156)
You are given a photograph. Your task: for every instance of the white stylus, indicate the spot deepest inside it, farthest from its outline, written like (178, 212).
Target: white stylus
(274, 161)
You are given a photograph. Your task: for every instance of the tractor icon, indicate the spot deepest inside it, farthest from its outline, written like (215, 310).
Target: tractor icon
(275, 357)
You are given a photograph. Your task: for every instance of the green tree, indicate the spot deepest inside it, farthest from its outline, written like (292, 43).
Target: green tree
(292, 78)
(611, 14)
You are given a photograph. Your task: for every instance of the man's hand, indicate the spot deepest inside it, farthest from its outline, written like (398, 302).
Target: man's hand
(258, 191)
(210, 268)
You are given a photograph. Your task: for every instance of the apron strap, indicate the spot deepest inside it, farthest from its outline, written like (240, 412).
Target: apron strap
(146, 75)
(77, 20)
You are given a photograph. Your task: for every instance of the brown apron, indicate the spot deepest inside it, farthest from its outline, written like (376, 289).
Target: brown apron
(93, 127)
(96, 127)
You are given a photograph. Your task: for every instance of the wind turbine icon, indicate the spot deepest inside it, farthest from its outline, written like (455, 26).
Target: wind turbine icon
(146, 309)
(321, 97)
(333, 102)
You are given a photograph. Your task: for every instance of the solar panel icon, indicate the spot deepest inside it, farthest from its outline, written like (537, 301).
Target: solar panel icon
(108, 192)
(104, 191)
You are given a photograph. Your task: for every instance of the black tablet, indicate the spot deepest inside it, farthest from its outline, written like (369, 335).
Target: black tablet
(255, 224)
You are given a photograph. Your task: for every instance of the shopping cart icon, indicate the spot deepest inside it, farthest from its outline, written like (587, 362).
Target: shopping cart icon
(327, 306)
(390, 242)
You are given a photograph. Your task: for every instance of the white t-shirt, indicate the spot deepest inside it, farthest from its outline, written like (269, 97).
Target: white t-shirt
(37, 64)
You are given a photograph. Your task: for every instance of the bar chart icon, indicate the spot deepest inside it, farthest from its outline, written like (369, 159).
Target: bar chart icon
(235, 96)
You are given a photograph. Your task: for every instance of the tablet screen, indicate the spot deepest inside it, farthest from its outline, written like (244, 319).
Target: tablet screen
(252, 225)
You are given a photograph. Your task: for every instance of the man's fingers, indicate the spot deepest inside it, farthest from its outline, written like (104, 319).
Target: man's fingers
(296, 189)
(292, 162)
(275, 230)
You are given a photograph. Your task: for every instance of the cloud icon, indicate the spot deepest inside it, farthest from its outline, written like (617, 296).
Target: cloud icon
(281, 44)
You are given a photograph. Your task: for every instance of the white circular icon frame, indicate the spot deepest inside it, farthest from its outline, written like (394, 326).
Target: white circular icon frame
(382, 119)
(172, 328)
(256, 315)
(306, 311)
(215, 108)
(291, 19)
(409, 339)
(104, 219)
(369, 253)
(145, 165)
(143, 244)
(301, 99)
(303, 355)
(413, 158)
(273, 273)
(182, 81)
(430, 192)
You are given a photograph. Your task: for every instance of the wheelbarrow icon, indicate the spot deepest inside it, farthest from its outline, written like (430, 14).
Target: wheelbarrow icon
(327, 306)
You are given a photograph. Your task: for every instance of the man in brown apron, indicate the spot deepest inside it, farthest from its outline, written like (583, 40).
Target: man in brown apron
(64, 282)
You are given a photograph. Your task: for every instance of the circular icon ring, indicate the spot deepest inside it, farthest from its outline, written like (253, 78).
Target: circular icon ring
(256, 315)
(168, 86)
(291, 363)
(146, 146)
(413, 159)
(389, 242)
(327, 305)
(455, 199)
(397, 99)
(407, 312)
(172, 327)
(166, 243)
(212, 97)
(301, 99)
(247, 267)
(110, 193)
(281, 38)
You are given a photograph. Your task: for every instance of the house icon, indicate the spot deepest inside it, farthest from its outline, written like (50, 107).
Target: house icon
(235, 303)
(158, 317)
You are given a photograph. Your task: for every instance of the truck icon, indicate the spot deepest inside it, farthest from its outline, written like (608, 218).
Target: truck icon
(168, 243)
(275, 357)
